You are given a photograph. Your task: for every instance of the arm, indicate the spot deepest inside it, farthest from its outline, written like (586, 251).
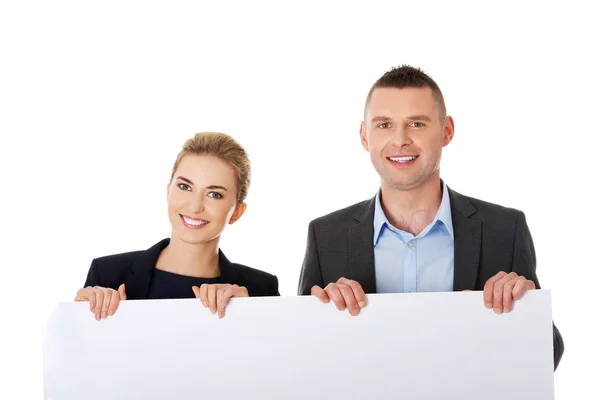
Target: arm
(524, 264)
(310, 274)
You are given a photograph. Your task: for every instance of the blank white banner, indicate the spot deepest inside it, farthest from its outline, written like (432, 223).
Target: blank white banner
(409, 346)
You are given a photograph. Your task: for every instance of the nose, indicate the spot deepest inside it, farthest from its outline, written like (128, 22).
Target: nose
(401, 136)
(197, 204)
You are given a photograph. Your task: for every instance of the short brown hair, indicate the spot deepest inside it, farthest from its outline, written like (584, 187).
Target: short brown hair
(409, 77)
(222, 146)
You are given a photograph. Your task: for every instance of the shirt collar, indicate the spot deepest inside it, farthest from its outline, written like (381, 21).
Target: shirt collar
(444, 215)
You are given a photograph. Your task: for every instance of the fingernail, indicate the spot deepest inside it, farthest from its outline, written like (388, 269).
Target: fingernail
(498, 310)
(362, 304)
(111, 312)
(104, 315)
(354, 312)
(221, 314)
(97, 316)
(213, 310)
(506, 309)
(488, 305)
(204, 303)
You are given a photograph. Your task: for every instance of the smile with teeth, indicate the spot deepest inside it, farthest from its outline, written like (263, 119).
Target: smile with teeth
(192, 222)
(403, 159)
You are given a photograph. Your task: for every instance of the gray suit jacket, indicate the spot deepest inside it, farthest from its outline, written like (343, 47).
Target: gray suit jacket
(488, 238)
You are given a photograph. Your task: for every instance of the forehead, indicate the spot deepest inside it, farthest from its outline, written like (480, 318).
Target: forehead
(203, 169)
(399, 103)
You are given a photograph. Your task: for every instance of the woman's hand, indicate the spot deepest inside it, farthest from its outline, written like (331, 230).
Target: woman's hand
(216, 296)
(103, 301)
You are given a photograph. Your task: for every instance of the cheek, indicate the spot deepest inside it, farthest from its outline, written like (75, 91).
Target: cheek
(174, 202)
(224, 212)
(376, 144)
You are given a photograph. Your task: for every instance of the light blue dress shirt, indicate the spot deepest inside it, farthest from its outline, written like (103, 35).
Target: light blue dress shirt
(405, 263)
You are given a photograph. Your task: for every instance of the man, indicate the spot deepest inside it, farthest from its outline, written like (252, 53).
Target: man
(416, 234)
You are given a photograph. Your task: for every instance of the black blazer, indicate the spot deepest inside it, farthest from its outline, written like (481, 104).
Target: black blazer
(488, 238)
(135, 270)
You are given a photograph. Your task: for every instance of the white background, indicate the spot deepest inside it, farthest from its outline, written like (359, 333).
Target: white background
(96, 99)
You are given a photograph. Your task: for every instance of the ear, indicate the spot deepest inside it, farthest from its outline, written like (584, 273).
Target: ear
(448, 130)
(363, 136)
(240, 209)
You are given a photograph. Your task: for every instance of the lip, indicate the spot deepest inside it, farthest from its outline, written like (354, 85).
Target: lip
(192, 226)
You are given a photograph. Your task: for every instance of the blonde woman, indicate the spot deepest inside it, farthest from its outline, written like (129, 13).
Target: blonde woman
(207, 189)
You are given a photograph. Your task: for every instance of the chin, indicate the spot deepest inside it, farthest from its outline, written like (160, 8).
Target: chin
(197, 239)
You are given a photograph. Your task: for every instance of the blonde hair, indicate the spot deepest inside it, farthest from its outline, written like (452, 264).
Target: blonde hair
(222, 146)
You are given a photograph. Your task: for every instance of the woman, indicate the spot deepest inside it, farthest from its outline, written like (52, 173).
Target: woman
(207, 189)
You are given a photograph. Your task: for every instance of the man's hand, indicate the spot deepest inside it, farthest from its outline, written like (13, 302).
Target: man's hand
(345, 293)
(501, 289)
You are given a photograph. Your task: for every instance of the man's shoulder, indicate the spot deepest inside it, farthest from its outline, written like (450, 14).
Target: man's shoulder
(484, 209)
(346, 215)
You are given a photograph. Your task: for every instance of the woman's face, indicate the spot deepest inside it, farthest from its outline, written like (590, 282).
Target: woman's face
(202, 198)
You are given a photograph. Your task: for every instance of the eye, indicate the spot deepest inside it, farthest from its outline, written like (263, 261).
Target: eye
(417, 124)
(384, 125)
(185, 186)
(215, 195)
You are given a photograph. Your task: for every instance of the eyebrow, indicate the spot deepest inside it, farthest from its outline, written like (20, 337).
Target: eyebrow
(216, 187)
(382, 118)
(186, 180)
(419, 118)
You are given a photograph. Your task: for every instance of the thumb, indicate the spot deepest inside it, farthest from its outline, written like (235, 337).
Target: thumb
(122, 294)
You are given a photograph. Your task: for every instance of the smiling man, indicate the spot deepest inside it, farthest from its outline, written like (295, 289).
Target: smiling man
(416, 234)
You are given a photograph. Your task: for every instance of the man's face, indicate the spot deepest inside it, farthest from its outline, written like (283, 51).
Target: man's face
(404, 135)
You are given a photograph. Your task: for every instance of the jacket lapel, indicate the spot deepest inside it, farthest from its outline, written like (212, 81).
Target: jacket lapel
(362, 257)
(139, 277)
(467, 241)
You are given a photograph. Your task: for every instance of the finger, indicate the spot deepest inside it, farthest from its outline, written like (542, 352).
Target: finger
(108, 294)
(223, 296)
(115, 298)
(359, 293)
(239, 291)
(521, 287)
(498, 290)
(320, 294)
(91, 294)
(122, 294)
(334, 294)
(212, 298)
(196, 291)
(488, 289)
(99, 298)
(204, 294)
(507, 298)
(86, 294)
(349, 299)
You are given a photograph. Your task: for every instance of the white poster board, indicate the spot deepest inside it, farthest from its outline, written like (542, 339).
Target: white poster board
(409, 346)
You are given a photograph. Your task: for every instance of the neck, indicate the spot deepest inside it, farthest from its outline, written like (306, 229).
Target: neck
(412, 210)
(198, 260)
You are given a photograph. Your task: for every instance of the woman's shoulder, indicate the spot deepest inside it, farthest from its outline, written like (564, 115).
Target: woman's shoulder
(118, 258)
(113, 267)
(258, 282)
(127, 258)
